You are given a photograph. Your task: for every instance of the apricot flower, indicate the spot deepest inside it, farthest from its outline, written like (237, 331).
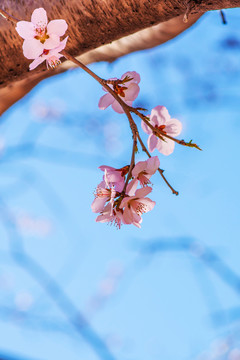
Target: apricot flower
(39, 35)
(134, 206)
(128, 91)
(112, 216)
(142, 172)
(160, 119)
(102, 195)
(115, 177)
(52, 56)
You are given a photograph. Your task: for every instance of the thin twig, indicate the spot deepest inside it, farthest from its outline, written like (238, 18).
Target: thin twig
(8, 17)
(102, 82)
(223, 17)
(98, 79)
(131, 165)
(161, 133)
(155, 130)
(124, 106)
(127, 109)
(159, 170)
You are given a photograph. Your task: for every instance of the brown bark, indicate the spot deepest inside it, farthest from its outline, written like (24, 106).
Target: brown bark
(141, 40)
(92, 23)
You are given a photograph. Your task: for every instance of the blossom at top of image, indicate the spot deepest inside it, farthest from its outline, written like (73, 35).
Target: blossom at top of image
(39, 35)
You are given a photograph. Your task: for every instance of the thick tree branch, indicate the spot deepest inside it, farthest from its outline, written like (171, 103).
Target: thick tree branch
(91, 25)
(141, 40)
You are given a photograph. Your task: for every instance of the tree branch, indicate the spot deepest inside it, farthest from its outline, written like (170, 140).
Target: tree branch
(91, 25)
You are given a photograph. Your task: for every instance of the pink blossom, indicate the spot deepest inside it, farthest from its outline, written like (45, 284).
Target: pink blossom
(142, 172)
(134, 206)
(160, 119)
(102, 195)
(127, 90)
(115, 177)
(39, 35)
(52, 56)
(111, 216)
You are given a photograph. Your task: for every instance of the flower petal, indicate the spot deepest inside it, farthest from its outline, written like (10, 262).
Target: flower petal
(132, 74)
(32, 48)
(124, 201)
(162, 114)
(129, 103)
(139, 167)
(25, 29)
(165, 147)
(108, 168)
(152, 142)
(61, 46)
(146, 128)
(132, 92)
(37, 62)
(152, 165)
(173, 127)
(52, 42)
(132, 187)
(105, 215)
(118, 186)
(98, 204)
(57, 27)
(102, 185)
(137, 224)
(128, 216)
(114, 177)
(136, 217)
(104, 218)
(140, 193)
(105, 101)
(39, 18)
(156, 120)
(149, 204)
(117, 107)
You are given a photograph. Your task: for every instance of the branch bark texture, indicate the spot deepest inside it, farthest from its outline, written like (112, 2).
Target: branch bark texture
(92, 23)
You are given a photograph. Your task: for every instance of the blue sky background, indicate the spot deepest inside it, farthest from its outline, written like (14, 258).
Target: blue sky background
(150, 293)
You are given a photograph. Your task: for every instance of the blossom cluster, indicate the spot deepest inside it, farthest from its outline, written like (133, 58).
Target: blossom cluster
(121, 197)
(116, 200)
(119, 206)
(42, 39)
(127, 89)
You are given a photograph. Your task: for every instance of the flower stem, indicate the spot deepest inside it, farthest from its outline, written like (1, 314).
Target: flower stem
(98, 79)
(159, 170)
(127, 109)
(131, 166)
(124, 106)
(160, 133)
(135, 134)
